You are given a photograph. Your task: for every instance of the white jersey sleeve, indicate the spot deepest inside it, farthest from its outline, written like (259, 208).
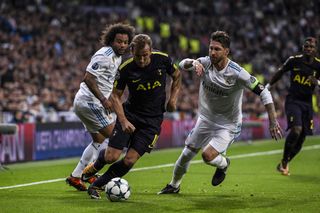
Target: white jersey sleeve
(247, 80)
(104, 66)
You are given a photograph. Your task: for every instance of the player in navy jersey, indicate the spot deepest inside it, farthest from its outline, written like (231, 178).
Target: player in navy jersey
(304, 74)
(139, 119)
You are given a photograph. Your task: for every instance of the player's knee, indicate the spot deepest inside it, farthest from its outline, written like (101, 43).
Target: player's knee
(129, 161)
(111, 157)
(207, 157)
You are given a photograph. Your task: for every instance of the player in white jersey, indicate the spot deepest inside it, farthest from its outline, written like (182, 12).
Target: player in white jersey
(91, 103)
(220, 116)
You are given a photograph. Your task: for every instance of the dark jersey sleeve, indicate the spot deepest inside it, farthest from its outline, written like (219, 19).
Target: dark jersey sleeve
(170, 66)
(288, 64)
(121, 78)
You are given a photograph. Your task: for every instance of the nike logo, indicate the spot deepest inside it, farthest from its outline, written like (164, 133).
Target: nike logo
(135, 81)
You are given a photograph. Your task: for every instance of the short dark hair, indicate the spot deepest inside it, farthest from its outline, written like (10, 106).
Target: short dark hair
(109, 33)
(221, 37)
(140, 41)
(311, 39)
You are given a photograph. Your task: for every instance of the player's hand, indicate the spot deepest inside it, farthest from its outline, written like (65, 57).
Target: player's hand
(127, 127)
(198, 67)
(171, 105)
(313, 80)
(275, 130)
(107, 105)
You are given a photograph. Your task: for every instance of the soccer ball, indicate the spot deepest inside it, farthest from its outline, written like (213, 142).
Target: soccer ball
(117, 189)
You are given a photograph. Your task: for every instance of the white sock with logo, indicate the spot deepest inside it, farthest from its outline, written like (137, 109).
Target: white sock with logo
(88, 155)
(181, 166)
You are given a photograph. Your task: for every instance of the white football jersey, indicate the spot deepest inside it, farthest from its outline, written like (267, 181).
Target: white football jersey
(220, 93)
(104, 65)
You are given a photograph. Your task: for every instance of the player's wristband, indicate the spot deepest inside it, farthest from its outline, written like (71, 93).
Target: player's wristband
(268, 86)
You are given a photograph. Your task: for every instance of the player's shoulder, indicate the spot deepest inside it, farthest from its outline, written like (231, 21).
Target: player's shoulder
(104, 52)
(159, 54)
(234, 66)
(205, 61)
(296, 57)
(317, 59)
(126, 62)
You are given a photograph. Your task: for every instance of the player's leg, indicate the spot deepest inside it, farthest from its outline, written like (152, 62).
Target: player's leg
(180, 168)
(117, 142)
(211, 155)
(290, 144)
(197, 138)
(307, 129)
(100, 126)
(298, 146)
(88, 155)
(294, 122)
(117, 169)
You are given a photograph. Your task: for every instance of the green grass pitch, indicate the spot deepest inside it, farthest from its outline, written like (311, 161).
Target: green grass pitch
(252, 184)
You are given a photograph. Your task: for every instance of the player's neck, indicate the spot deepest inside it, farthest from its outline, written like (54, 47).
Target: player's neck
(221, 64)
(308, 59)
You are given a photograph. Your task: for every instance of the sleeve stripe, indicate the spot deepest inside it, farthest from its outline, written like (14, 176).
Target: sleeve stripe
(125, 63)
(160, 53)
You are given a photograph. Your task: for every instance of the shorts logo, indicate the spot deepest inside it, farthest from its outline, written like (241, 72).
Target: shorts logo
(95, 66)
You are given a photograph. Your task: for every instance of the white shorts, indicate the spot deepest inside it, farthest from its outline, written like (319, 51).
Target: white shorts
(220, 137)
(92, 115)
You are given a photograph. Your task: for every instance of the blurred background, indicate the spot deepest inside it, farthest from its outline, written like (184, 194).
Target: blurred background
(46, 45)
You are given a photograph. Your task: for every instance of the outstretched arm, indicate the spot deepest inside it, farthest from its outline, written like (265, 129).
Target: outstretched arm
(284, 68)
(266, 98)
(192, 65)
(254, 85)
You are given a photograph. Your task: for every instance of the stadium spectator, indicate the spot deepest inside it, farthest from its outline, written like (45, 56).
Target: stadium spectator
(304, 74)
(220, 117)
(42, 40)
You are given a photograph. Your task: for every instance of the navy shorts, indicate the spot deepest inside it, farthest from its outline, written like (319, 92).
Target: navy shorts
(144, 137)
(299, 114)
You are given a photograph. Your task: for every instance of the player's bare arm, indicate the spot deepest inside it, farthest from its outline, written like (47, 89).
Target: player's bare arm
(266, 99)
(91, 82)
(175, 88)
(278, 75)
(274, 127)
(118, 109)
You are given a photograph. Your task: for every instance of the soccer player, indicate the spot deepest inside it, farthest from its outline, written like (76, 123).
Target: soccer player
(139, 119)
(304, 74)
(220, 117)
(92, 103)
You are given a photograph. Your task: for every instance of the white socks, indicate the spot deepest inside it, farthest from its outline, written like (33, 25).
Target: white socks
(181, 166)
(89, 154)
(219, 162)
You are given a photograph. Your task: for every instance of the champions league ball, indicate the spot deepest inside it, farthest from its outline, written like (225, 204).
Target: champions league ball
(117, 189)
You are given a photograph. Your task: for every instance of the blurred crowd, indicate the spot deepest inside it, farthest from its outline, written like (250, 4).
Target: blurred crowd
(45, 46)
